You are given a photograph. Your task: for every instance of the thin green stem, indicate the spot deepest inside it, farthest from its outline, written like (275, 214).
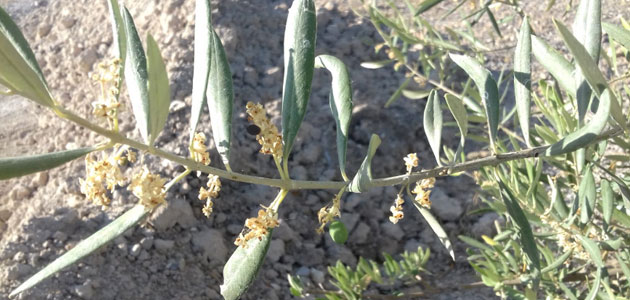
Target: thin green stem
(491, 160)
(175, 180)
(278, 200)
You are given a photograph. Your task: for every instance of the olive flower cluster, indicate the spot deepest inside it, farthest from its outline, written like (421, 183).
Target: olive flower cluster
(268, 137)
(257, 227)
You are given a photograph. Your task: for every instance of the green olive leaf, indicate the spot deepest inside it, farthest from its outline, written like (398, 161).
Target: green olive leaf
(620, 35)
(20, 71)
(87, 246)
(340, 103)
(240, 270)
(586, 134)
(159, 89)
(522, 78)
(204, 34)
(608, 200)
(437, 229)
(524, 228)
(362, 180)
(136, 77)
(433, 124)
(587, 195)
(587, 30)
(591, 73)
(457, 108)
(299, 63)
(487, 89)
(426, 5)
(19, 166)
(555, 63)
(220, 99)
(592, 249)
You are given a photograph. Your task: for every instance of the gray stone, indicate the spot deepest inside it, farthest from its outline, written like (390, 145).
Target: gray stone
(310, 256)
(18, 271)
(40, 179)
(43, 30)
(212, 245)
(485, 225)
(147, 242)
(350, 220)
(303, 271)
(392, 230)
(445, 207)
(412, 245)
(5, 214)
(284, 232)
(84, 291)
(342, 253)
(360, 234)
(276, 250)
(163, 245)
(135, 250)
(351, 202)
(234, 228)
(87, 59)
(177, 211)
(317, 276)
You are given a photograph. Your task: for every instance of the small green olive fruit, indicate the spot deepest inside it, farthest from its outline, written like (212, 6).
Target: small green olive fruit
(338, 232)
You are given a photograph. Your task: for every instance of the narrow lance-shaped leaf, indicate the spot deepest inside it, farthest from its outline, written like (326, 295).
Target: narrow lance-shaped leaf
(620, 35)
(220, 97)
(426, 5)
(159, 89)
(340, 103)
(136, 77)
(587, 30)
(525, 231)
(433, 124)
(361, 181)
(557, 200)
(240, 270)
(522, 78)
(591, 72)
(20, 71)
(120, 39)
(299, 62)
(437, 229)
(87, 246)
(586, 134)
(558, 262)
(487, 89)
(461, 118)
(587, 195)
(204, 35)
(555, 63)
(608, 198)
(19, 166)
(592, 294)
(593, 250)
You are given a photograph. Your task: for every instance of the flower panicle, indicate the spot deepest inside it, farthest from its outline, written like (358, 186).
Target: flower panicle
(214, 187)
(268, 137)
(257, 227)
(198, 150)
(397, 209)
(100, 176)
(423, 191)
(411, 161)
(107, 105)
(148, 187)
(327, 213)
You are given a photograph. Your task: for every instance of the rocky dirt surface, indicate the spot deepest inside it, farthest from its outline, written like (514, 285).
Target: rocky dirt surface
(178, 253)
